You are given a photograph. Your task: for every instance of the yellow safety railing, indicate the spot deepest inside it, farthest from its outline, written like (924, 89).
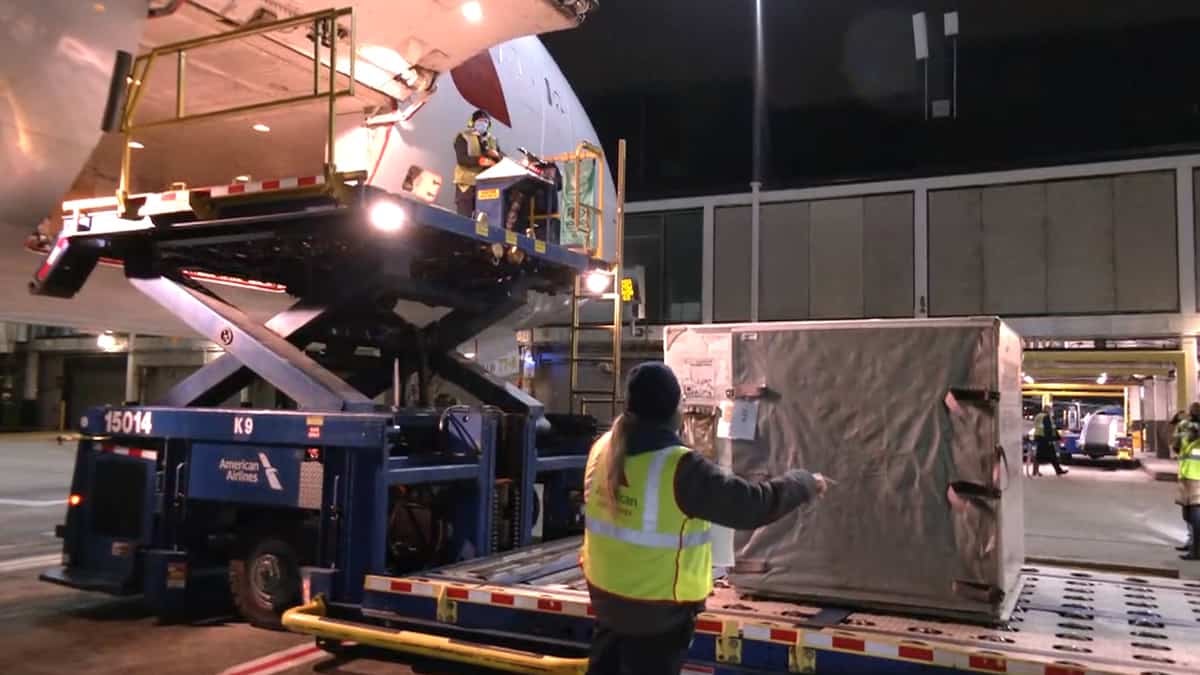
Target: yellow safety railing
(325, 29)
(309, 619)
(588, 218)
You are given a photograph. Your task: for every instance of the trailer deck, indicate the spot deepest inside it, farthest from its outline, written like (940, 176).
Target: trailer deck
(1067, 622)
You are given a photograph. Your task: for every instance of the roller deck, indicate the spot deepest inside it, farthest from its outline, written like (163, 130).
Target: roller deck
(1066, 622)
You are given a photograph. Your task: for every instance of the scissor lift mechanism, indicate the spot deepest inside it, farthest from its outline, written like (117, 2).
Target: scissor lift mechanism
(316, 239)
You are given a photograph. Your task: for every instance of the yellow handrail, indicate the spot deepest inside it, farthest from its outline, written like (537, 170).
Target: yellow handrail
(310, 619)
(324, 23)
(593, 223)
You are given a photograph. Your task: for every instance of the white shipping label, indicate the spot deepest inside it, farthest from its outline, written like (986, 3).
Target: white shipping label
(744, 425)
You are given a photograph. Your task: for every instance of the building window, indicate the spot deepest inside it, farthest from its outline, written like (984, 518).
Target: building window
(669, 246)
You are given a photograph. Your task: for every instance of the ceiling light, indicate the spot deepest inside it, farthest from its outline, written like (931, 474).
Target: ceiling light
(472, 11)
(136, 145)
(261, 128)
(242, 179)
(387, 216)
(106, 341)
(468, 355)
(1029, 379)
(1102, 379)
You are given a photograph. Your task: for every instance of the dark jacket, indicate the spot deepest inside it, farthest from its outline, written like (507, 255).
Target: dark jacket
(702, 490)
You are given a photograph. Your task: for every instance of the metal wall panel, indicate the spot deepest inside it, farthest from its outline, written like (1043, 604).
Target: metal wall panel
(955, 252)
(1146, 242)
(1195, 229)
(888, 255)
(836, 259)
(731, 263)
(783, 261)
(1080, 276)
(1014, 249)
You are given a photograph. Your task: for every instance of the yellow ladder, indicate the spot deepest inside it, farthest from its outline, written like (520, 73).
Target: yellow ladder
(588, 289)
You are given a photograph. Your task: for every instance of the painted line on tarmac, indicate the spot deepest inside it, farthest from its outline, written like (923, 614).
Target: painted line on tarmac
(32, 562)
(32, 503)
(277, 662)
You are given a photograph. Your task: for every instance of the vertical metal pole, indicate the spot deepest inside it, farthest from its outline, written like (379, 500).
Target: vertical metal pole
(180, 66)
(575, 216)
(332, 165)
(954, 58)
(925, 100)
(573, 365)
(618, 271)
(353, 50)
(760, 93)
(131, 373)
(755, 237)
(317, 56)
(396, 383)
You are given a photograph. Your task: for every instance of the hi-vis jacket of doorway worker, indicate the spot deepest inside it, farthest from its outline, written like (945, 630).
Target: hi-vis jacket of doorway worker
(475, 149)
(649, 504)
(1188, 439)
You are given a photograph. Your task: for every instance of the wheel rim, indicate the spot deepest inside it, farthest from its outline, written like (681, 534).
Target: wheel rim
(266, 578)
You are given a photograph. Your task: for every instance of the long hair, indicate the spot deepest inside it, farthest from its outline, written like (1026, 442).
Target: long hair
(610, 450)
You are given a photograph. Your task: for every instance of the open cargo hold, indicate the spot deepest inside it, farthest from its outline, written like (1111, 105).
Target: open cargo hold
(917, 420)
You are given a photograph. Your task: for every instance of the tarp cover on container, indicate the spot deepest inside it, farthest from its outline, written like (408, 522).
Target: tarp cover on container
(918, 421)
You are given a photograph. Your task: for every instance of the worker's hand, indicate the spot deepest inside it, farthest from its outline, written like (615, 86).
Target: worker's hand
(822, 484)
(487, 161)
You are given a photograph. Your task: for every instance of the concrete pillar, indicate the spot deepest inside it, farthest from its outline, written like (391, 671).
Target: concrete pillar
(131, 372)
(1188, 344)
(32, 374)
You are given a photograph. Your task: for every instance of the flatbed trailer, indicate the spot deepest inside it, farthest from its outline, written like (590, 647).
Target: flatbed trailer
(528, 611)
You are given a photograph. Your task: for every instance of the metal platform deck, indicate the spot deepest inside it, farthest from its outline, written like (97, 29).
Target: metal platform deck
(1067, 622)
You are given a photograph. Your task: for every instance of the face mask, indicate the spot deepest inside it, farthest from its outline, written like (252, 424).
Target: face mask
(481, 127)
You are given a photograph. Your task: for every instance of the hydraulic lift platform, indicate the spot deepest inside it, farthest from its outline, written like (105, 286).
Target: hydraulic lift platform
(185, 474)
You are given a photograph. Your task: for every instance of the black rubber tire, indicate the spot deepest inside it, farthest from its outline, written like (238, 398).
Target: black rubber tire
(262, 606)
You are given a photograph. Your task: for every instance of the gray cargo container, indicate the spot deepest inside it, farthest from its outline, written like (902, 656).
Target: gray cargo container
(919, 421)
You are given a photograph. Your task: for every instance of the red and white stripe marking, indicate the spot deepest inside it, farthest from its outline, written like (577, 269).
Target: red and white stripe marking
(265, 186)
(915, 651)
(538, 602)
(277, 662)
(136, 453)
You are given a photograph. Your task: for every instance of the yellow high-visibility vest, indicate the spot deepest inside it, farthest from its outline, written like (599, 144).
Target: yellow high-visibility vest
(475, 149)
(648, 549)
(1039, 425)
(1189, 460)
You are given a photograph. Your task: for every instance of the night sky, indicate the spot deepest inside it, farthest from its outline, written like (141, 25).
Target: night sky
(1039, 82)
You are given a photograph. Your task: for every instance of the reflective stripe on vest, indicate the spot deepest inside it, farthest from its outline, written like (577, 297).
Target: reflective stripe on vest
(649, 549)
(466, 175)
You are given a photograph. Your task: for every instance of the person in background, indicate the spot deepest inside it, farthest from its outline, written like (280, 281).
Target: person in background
(1187, 440)
(475, 149)
(1045, 435)
(649, 503)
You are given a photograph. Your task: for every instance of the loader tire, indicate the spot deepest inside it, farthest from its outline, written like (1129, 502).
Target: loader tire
(265, 582)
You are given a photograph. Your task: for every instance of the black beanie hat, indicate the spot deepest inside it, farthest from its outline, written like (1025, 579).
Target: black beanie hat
(652, 393)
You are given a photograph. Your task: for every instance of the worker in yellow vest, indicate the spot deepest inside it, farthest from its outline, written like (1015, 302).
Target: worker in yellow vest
(1045, 436)
(475, 149)
(649, 505)
(1188, 438)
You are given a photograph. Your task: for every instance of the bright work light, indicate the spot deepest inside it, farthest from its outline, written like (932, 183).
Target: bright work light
(387, 216)
(597, 282)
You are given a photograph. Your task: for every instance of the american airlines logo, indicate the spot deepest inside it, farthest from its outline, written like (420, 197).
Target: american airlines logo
(248, 471)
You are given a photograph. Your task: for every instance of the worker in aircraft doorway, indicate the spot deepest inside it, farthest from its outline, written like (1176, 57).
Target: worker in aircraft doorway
(475, 149)
(649, 504)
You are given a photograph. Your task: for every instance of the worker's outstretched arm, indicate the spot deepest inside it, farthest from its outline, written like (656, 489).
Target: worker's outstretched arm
(704, 490)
